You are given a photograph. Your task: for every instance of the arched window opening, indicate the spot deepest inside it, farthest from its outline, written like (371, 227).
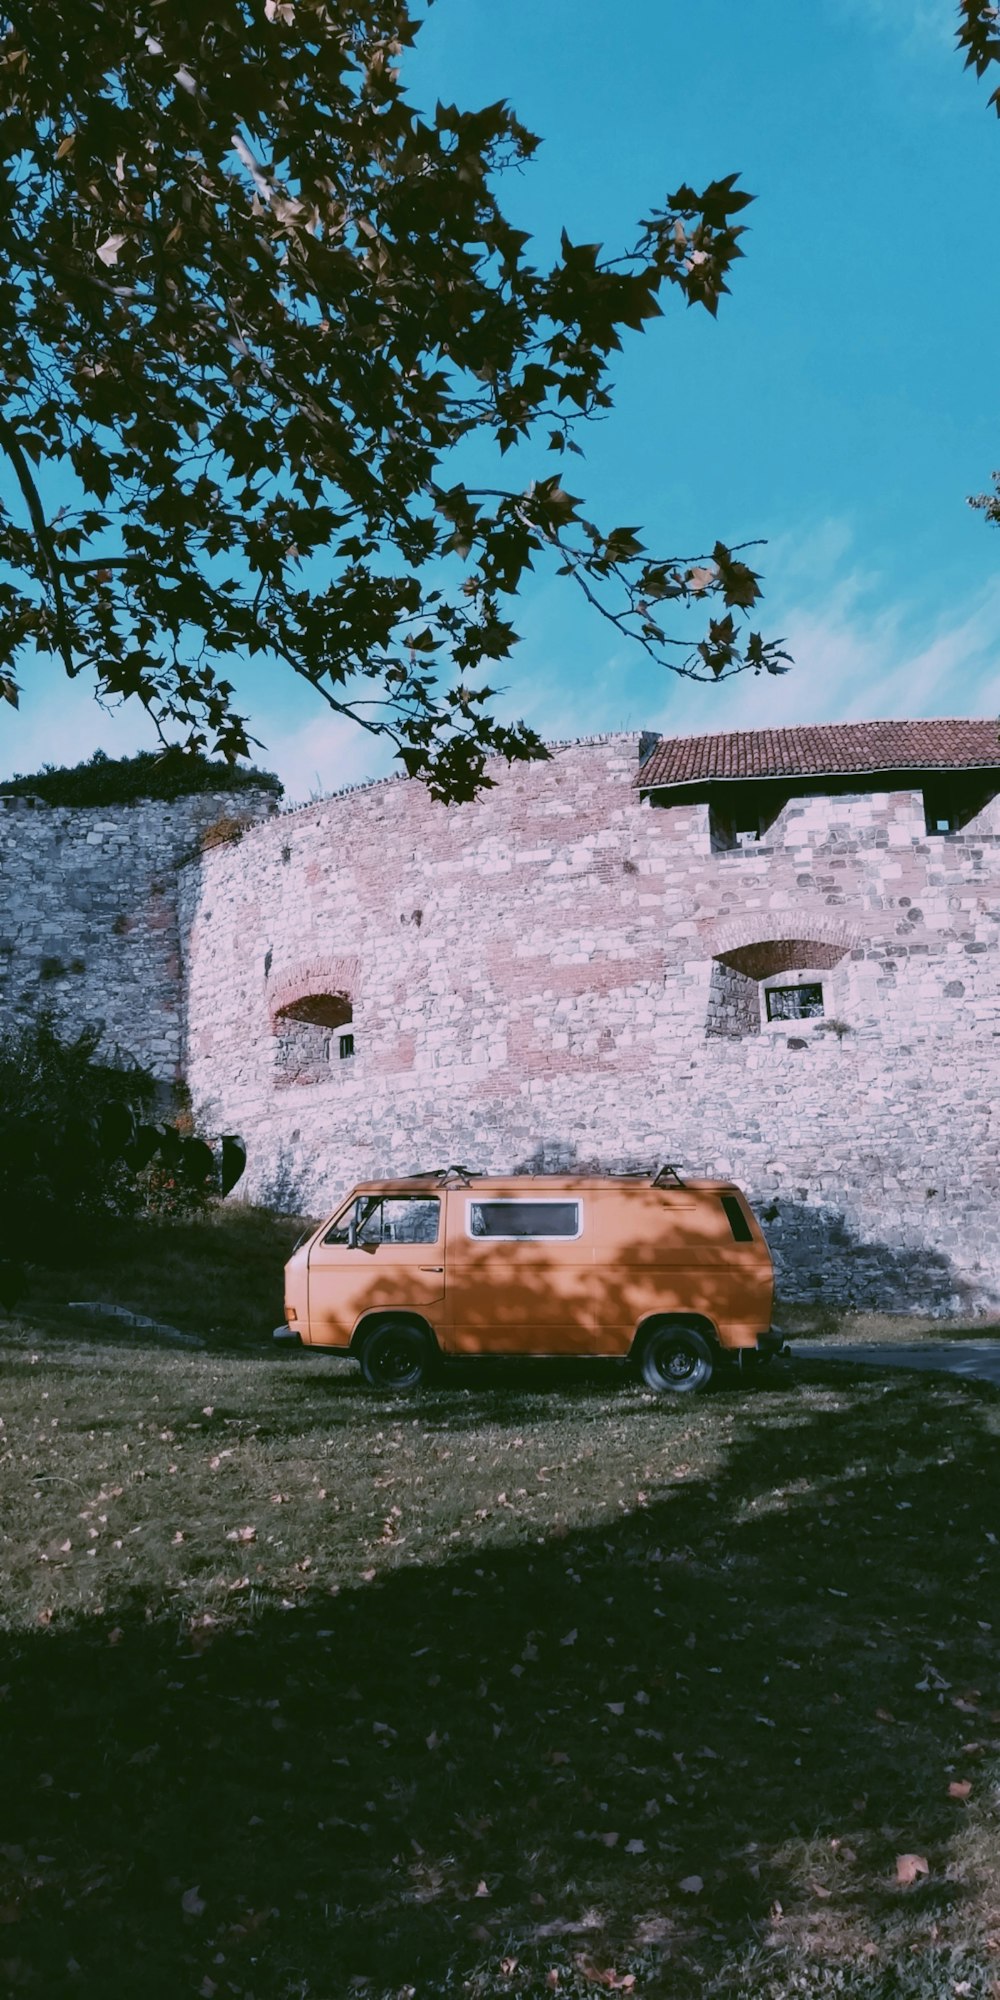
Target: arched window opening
(313, 1036)
(767, 985)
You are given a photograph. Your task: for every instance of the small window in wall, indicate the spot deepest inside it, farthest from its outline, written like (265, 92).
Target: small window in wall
(308, 1041)
(741, 817)
(389, 1219)
(518, 1221)
(950, 803)
(731, 830)
(941, 810)
(794, 1003)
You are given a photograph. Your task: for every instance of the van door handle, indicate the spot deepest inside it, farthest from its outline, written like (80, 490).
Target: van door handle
(430, 1267)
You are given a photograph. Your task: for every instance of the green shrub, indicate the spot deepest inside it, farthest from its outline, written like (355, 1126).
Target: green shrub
(77, 1150)
(117, 781)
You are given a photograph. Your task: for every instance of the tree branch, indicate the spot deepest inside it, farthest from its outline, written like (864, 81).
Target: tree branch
(15, 452)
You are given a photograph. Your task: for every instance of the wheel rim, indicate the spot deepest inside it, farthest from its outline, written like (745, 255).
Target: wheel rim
(680, 1364)
(397, 1360)
(675, 1364)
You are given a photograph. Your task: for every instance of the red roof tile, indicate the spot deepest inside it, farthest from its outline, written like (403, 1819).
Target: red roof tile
(823, 750)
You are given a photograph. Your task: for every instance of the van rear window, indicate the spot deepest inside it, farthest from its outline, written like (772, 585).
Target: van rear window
(738, 1223)
(520, 1220)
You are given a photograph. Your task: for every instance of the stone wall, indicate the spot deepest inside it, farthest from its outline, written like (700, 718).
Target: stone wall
(88, 916)
(561, 974)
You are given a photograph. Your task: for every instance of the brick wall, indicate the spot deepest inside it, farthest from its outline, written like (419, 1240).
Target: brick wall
(88, 916)
(562, 974)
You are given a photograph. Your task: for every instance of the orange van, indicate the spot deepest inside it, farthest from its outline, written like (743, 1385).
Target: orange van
(672, 1274)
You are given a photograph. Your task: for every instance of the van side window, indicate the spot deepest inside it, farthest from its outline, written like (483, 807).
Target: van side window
(738, 1223)
(520, 1220)
(389, 1219)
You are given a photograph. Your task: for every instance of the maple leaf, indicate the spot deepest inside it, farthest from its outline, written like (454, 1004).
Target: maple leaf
(909, 1866)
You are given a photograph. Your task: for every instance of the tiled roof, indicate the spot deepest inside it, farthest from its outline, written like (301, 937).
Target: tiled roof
(822, 750)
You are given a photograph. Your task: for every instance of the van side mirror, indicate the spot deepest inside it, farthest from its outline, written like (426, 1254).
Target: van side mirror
(352, 1235)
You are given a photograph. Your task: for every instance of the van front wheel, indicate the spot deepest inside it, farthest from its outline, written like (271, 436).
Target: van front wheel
(396, 1355)
(676, 1360)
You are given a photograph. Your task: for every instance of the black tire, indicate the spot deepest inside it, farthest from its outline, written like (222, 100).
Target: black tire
(396, 1355)
(676, 1360)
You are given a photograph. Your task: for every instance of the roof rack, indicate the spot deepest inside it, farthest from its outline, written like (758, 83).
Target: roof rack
(463, 1175)
(667, 1176)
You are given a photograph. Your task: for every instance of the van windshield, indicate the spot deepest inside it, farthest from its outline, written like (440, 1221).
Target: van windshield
(389, 1219)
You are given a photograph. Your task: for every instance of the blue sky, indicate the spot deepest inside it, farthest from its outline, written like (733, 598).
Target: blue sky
(842, 406)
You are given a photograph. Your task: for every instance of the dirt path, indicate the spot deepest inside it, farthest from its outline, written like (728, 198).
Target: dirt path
(977, 1360)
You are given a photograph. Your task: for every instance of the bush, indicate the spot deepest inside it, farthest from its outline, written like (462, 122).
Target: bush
(77, 1150)
(117, 781)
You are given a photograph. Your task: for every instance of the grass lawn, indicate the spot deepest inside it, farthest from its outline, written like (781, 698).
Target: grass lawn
(530, 1684)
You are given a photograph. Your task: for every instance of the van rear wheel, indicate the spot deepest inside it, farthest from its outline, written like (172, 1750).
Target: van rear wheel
(676, 1360)
(396, 1355)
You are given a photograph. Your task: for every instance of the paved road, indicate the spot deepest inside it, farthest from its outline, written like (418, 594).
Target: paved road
(977, 1360)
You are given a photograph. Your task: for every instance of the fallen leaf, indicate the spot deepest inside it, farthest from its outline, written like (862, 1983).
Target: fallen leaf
(247, 1534)
(959, 1788)
(909, 1866)
(192, 1904)
(692, 1885)
(570, 1639)
(635, 1847)
(481, 1889)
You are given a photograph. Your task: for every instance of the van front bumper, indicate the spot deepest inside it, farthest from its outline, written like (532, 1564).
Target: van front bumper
(288, 1335)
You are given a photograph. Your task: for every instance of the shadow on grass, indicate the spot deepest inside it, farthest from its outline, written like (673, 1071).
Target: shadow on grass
(219, 1275)
(766, 1680)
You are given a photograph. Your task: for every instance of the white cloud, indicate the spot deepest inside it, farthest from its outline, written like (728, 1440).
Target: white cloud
(856, 656)
(917, 25)
(322, 755)
(855, 659)
(60, 722)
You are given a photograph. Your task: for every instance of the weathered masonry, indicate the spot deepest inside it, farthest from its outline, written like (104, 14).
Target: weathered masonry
(774, 955)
